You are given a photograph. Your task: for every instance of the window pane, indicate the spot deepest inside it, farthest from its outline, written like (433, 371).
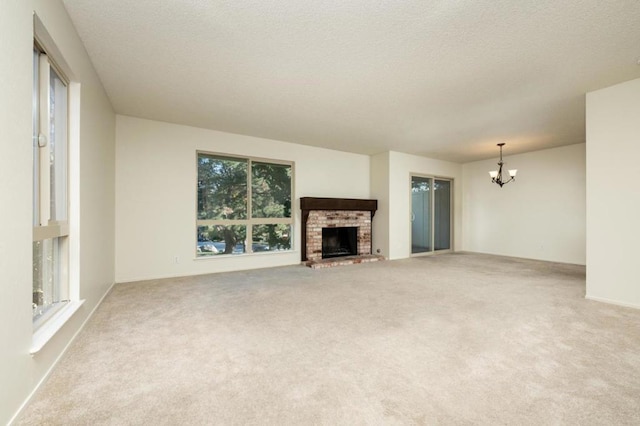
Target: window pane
(222, 187)
(271, 237)
(442, 214)
(221, 239)
(36, 132)
(58, 147)
(270, 190)
(46, 276)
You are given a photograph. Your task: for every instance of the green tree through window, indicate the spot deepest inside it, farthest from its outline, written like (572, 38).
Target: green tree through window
(240, 212)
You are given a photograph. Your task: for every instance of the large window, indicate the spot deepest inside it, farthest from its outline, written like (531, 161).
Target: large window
(244, 205)
(50, 217)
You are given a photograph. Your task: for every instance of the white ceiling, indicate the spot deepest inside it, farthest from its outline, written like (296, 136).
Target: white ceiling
(446, 79)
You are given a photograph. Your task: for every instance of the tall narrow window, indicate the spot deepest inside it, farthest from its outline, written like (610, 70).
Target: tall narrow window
(244, 205)
(50, 221)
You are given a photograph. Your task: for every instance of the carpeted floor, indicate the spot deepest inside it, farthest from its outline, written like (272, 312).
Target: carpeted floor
(450, 339)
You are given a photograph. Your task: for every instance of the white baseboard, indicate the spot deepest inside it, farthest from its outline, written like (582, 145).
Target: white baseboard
(612, 302)
(59, 357)
(563, 262)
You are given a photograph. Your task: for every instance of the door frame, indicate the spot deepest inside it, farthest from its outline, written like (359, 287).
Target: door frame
(432, 214)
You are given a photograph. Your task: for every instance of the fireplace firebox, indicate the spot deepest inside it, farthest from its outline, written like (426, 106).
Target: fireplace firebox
(339, 241)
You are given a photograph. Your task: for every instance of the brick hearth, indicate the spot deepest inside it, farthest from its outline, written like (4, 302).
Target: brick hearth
(344, 260)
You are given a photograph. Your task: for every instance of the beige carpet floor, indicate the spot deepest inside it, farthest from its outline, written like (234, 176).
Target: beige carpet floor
(451, 339)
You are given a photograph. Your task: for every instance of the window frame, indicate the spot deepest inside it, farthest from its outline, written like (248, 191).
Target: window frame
(43, 226)
(250, 221)
(49, 325)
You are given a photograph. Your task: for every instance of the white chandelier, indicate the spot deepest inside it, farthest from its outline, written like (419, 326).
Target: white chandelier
(496, 175)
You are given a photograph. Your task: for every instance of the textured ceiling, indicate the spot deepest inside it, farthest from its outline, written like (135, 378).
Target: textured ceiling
(446, 79)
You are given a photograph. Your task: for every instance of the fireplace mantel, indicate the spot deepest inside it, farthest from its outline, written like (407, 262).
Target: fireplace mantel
(307, 204)
(311, 203)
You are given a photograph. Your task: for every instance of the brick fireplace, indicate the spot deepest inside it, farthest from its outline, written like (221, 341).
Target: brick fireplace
(323, 213)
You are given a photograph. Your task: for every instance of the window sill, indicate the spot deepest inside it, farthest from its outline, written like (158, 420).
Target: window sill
(240, 256)
(43, 334)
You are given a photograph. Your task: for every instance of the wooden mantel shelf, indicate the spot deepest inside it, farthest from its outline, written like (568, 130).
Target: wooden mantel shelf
(312, 203)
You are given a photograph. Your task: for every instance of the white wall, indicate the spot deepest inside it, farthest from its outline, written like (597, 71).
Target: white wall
(15, 208)
(613, 194)
(379, 181)
(401, 166)
(541, 215)
(20, 372)
(156, 194)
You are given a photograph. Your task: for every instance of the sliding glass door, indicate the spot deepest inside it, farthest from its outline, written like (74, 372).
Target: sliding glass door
(421, 214)
(430, 214)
